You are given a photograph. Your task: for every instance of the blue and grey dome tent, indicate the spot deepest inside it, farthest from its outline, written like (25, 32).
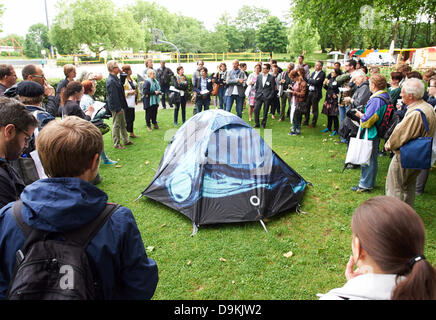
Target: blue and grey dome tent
(218, 169)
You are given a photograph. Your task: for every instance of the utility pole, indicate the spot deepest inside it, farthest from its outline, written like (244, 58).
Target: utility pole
(48, 27)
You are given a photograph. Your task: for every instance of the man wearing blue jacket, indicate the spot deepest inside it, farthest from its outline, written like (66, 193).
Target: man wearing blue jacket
(69, 151)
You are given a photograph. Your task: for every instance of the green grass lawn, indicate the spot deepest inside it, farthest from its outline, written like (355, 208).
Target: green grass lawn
(242, 261)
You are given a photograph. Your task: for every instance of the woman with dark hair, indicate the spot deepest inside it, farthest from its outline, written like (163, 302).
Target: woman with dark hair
(331, 107)
(388, 249)
(394, 89)
(131, 91)
(298, 107)
(70, 99)
(180, 83)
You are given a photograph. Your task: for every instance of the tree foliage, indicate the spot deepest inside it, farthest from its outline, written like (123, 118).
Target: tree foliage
(36, 40)
(272, 36)
(369, 23)
(98, 24)
(302, 39)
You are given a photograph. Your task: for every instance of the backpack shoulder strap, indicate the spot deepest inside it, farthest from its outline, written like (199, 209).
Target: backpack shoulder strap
(386, 101)
(86, 233)
(16, 213)
(32, 234)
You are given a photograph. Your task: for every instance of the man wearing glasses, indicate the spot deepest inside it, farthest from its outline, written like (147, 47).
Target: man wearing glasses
(16, 130)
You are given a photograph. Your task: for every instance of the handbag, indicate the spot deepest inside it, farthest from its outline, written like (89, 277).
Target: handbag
(103, 127)
(417, 153)
(26, 168)
(359, 150)
(215, 88)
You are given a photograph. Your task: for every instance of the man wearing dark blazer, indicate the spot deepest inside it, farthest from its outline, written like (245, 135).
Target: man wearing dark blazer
(264, 93)
(116, 102)
(314, 84)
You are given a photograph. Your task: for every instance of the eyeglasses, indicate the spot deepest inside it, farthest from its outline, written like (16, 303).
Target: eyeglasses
(28, 136)
(38, 76)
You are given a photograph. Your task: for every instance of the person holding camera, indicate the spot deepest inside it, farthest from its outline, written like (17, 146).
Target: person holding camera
(151, 92)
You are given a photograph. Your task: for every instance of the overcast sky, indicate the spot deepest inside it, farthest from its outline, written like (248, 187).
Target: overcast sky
(21, 14)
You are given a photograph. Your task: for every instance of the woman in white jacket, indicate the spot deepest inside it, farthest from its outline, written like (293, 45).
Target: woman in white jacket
(388, 250)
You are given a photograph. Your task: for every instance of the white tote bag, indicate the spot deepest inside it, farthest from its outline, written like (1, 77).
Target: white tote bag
(359, 150)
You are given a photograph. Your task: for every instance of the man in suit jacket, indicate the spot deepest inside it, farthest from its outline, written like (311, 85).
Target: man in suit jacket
(235, 88)
(315, 83)
(116, 102)
(264, 93)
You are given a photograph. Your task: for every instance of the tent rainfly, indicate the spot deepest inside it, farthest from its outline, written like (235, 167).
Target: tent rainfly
(218, 169)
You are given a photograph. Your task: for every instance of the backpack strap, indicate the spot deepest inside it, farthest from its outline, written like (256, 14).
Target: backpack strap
(16, 213)
(386, 101)
(84, 234)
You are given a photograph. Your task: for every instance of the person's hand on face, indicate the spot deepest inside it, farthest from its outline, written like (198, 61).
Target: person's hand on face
(350, 273)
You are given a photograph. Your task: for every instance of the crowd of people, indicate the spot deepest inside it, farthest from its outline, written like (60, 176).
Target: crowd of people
(388, 235)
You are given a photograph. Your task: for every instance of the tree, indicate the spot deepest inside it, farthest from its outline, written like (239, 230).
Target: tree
(302, 37)
(98, 24)
(36, 40)
(248, 21)
(272, 36)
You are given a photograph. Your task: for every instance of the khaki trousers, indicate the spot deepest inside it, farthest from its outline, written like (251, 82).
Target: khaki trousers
(119, 128)
(401, 183)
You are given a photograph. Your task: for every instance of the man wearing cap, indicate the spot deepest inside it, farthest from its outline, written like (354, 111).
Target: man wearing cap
(32, 72)
(31, 95)
(16, 129)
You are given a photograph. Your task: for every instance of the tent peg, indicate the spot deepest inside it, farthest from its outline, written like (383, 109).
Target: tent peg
(194, 229)
(263, 225)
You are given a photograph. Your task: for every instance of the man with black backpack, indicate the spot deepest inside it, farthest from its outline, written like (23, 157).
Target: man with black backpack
(62, 240)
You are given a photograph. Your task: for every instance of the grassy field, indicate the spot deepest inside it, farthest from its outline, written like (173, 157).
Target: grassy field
(242, 261)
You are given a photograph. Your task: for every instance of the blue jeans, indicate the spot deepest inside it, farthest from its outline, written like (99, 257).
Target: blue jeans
(222, 97)
(342, 115)
(343, 112)
(239, 101)
(368, 174)
(202, 103)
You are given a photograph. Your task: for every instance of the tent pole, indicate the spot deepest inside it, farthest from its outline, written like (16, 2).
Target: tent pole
(263, 225)
(140, 196)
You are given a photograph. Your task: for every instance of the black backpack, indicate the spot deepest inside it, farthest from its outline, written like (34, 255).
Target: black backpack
(48, 268)
(389, 121)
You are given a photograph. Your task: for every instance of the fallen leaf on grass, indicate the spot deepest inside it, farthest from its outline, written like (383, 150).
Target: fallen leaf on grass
(118, 166)
(288, 254)
(285, 153)
(150, 248)
(330, 170)
(164, 225)
(189, 262)
(223, 260)
(147, 162)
